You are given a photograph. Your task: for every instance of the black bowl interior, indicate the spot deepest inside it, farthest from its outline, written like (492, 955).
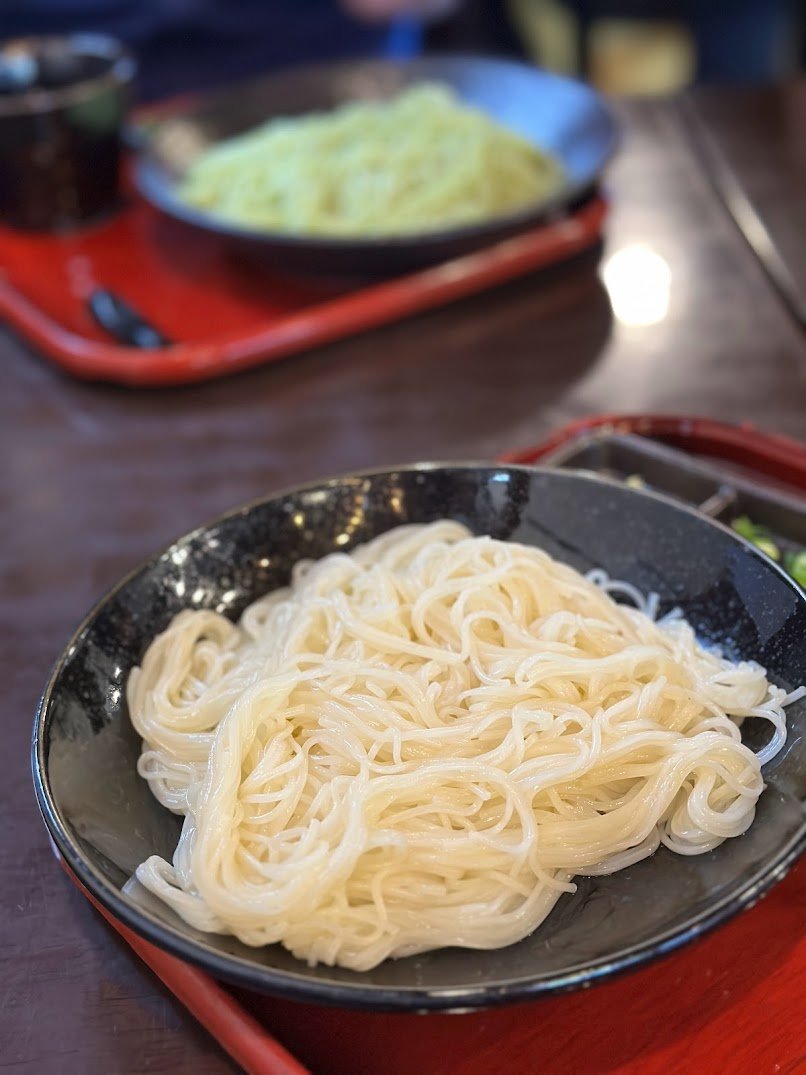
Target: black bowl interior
(557, 114)
(105, 821)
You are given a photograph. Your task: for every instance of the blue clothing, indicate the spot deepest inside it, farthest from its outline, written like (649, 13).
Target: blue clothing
(194, 44)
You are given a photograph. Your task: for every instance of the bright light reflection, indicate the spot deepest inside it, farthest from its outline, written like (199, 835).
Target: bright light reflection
(638, 281)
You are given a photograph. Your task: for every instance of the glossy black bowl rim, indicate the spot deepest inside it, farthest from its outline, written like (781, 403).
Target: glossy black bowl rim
(38, 102)
(298, 985)
(571, 194)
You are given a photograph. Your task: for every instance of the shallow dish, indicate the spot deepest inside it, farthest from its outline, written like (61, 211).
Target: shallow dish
(563, 117)
(105, 821)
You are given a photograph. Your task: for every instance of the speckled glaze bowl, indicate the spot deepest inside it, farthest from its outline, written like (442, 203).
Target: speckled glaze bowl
(104, 820)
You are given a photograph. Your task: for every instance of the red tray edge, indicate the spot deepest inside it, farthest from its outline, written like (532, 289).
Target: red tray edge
(186, 363)
(770, 454)
(238, 1033)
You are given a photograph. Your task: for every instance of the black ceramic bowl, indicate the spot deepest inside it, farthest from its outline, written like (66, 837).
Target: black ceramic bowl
(557, 114)
(105, 821)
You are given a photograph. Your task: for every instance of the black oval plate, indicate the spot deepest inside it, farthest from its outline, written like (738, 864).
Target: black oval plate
(105, 821)
(557, 114)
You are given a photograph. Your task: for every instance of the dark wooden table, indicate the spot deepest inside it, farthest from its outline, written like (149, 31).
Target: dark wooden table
(95, 478)
(758, 166)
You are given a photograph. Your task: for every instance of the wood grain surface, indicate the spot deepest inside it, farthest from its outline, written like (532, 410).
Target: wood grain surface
(752, 143)
(95, 478)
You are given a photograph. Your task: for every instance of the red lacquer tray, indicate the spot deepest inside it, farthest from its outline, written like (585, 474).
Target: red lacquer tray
(220, 312)
(732, 1002)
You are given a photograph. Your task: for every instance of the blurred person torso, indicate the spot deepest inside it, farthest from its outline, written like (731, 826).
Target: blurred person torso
(190, 44)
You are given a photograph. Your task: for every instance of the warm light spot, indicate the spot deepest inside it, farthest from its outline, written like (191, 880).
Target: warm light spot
(638, 281)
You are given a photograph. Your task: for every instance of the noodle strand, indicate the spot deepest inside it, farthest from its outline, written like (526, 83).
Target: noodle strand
(420, 744)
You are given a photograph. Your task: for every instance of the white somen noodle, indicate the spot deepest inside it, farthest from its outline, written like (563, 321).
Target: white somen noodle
(420, 743)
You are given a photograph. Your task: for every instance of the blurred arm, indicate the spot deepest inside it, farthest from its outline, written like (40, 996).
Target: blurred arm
(383, 10)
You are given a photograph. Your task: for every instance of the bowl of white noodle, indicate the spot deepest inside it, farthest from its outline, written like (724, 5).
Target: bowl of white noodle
(374, 167)
(437, 737)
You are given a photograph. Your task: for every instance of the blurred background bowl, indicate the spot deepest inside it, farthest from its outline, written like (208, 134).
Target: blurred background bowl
(63, 101)
(561, 116)
(105, 821)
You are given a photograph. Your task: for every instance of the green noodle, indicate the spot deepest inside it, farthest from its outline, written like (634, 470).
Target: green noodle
(420, 162)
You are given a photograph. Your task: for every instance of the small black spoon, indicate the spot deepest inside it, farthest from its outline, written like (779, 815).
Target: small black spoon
(123, 322)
